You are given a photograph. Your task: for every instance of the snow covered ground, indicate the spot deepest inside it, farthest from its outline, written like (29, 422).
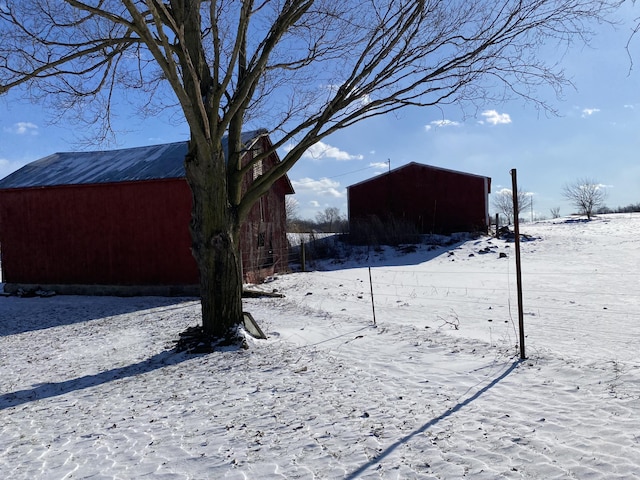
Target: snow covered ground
(435, 389)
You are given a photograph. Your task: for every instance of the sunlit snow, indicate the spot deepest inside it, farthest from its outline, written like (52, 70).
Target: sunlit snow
(434, 390)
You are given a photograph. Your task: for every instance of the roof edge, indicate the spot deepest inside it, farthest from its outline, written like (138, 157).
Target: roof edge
(421, 165)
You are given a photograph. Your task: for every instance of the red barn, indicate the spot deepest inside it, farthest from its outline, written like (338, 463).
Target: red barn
(421, 198)
(100, 221)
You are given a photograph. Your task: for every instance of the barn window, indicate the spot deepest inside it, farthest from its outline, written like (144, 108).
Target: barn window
(261, 239)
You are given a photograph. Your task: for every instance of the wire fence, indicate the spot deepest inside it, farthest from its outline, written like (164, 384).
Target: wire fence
(567, 306)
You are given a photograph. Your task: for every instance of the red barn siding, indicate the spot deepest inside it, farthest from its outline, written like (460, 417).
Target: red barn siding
(109, 234)
(127, 233)
(434, 200)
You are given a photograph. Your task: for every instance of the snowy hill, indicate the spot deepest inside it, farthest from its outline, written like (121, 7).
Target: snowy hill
(433, 390)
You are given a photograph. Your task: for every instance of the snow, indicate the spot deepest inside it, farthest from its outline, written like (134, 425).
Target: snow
(434, 390)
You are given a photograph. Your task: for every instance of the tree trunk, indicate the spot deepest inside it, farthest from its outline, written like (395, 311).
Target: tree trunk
(215, 232)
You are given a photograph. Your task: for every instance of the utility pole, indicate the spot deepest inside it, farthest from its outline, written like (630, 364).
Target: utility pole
(531, 204)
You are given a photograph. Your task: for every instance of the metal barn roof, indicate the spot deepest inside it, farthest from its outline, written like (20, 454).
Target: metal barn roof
(415, 165)
(111, 166)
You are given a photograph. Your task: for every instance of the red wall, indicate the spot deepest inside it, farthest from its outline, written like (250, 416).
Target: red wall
(130, 233)
(122, 234)
(434, 200)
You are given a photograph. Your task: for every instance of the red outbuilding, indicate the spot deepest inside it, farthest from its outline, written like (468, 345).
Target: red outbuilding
(118, 222)
(420, 198)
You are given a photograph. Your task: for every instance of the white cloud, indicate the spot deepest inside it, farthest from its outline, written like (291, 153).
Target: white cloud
(23, 128)
(384, 165)
(324, 187)
(508, 191)
(587, 112)
(322, 150)
(314, 203)
(495, 118)
(441, 123)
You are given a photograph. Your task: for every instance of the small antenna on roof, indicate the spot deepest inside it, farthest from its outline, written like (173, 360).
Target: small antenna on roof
(389, 162)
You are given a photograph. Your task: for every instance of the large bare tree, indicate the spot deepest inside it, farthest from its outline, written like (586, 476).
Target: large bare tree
(586, 194)
(302, 68)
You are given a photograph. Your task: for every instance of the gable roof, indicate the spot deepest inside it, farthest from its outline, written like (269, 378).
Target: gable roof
(110, 166)
(420, 166)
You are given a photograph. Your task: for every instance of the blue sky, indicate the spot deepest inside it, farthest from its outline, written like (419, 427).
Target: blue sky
(596, 135)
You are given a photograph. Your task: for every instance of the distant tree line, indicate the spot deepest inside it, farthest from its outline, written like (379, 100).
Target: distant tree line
(631, 208)
(329, 220)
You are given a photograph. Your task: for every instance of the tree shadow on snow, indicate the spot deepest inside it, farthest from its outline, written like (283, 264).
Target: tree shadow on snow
(20, 315)
(577, 220)
(50, 390)
(374, 461)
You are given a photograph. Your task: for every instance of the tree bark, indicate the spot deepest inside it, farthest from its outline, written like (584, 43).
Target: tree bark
(215, 233)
